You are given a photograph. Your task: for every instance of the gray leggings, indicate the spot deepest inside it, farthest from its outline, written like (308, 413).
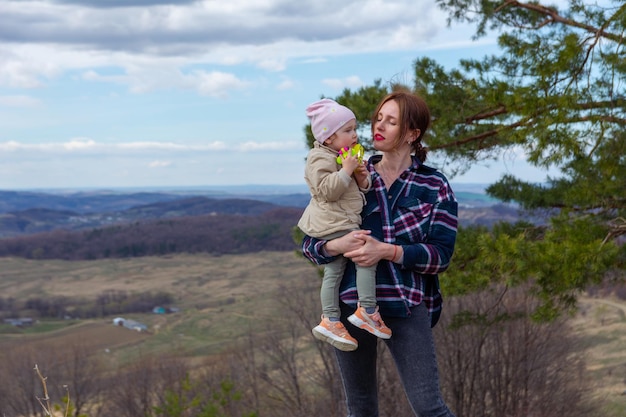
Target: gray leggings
(333, 274)
(329, 293)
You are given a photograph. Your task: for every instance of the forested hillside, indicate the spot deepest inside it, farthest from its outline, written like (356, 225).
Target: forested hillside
(210, 233)
(58, 227)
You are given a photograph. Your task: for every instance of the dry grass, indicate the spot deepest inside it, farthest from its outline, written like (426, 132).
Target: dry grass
(195, 280)
(601, 323)
(221, 297)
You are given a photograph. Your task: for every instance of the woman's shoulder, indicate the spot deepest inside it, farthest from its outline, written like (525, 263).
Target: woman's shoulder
(429, 178)
(432, 172)
(425, 170)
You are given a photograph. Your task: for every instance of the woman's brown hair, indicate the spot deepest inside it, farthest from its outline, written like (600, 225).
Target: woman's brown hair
(414, 114)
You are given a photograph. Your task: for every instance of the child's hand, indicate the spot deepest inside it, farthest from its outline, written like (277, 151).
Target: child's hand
(350, 163)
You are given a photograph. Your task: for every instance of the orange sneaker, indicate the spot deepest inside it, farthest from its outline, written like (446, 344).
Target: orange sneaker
(335, 333)
(373, 323)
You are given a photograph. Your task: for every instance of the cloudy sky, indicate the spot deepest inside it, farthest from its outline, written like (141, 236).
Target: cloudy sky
(149, 93)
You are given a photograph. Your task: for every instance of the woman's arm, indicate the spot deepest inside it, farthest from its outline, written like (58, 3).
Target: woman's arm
(433, 255)
(372, 251)
(320, 251)
(313, 250)
(430, 256)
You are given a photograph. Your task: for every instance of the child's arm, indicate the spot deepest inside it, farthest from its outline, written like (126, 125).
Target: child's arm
(323, 179)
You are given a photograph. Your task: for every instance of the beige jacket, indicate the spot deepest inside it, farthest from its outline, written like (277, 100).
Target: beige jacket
(336, 200)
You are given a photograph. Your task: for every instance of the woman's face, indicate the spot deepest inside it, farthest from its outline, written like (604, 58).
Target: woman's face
(387, 127)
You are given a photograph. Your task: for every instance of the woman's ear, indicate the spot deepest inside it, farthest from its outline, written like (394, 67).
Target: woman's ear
(413, 135)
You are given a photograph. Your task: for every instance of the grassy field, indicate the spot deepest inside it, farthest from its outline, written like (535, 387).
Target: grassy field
(220, 298)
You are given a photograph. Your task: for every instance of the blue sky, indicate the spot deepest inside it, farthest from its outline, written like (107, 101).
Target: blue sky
(149, 93)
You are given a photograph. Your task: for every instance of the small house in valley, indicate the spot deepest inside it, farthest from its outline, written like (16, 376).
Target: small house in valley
(130, 324)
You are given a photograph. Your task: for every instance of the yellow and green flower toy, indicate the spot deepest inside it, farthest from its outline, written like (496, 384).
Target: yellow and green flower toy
(357, 150)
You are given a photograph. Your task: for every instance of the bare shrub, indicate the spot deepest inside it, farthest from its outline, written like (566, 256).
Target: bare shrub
(138, 386)
(296, 375)
(77, 372)
(495, 361)
(69, 368)
(20, 384)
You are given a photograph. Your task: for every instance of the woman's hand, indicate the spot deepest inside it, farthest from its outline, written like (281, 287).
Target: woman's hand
(369, 252)
(361, 175)
(347, 243)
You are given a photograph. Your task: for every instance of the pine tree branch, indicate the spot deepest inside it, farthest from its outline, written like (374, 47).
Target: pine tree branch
(554, 17)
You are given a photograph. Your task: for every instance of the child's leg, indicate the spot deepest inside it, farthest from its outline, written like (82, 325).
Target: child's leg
(366, 285)
(329, 293)
(331, 329)
(366, 316)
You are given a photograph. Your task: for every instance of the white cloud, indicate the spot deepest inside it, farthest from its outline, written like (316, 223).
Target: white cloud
(79, 144)
(285, 84)
(269, 146)
(152, 146)
(159, 164)
(10, 146)
(19, 101)
(217, 84)
(315, 60)
(153, 43)
(83, 145)
(274, 64)
(145, 78)
(24, 70)
(341, 83)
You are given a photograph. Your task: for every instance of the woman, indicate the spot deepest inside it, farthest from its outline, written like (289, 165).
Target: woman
(409, 230)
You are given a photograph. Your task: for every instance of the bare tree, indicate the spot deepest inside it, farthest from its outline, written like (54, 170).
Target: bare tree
(77, 370)
(302, 305)
(289, 373)
(141, 384)
(21, 386)
(495, 360)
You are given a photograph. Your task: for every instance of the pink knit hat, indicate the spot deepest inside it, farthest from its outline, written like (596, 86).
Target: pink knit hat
(327, 116)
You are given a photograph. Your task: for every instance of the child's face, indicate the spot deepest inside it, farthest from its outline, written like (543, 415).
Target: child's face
(345, 137)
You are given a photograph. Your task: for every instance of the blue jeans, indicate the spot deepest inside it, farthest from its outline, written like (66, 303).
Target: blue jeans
(413, 351)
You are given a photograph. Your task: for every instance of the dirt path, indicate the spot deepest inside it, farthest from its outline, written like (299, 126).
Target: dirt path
(620, 306)
(601, 324)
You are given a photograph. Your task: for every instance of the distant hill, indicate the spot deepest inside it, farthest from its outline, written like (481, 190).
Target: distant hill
(37, 220)
(195, 206)
(215, 233)
(100, 224)
(101, 201)
(80, 202)
(25, 212)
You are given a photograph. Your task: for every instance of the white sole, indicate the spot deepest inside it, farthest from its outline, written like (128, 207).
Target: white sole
(367, 327)
(320, 333)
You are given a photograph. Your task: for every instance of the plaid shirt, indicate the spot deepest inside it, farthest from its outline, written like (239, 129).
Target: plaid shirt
(418, 212)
